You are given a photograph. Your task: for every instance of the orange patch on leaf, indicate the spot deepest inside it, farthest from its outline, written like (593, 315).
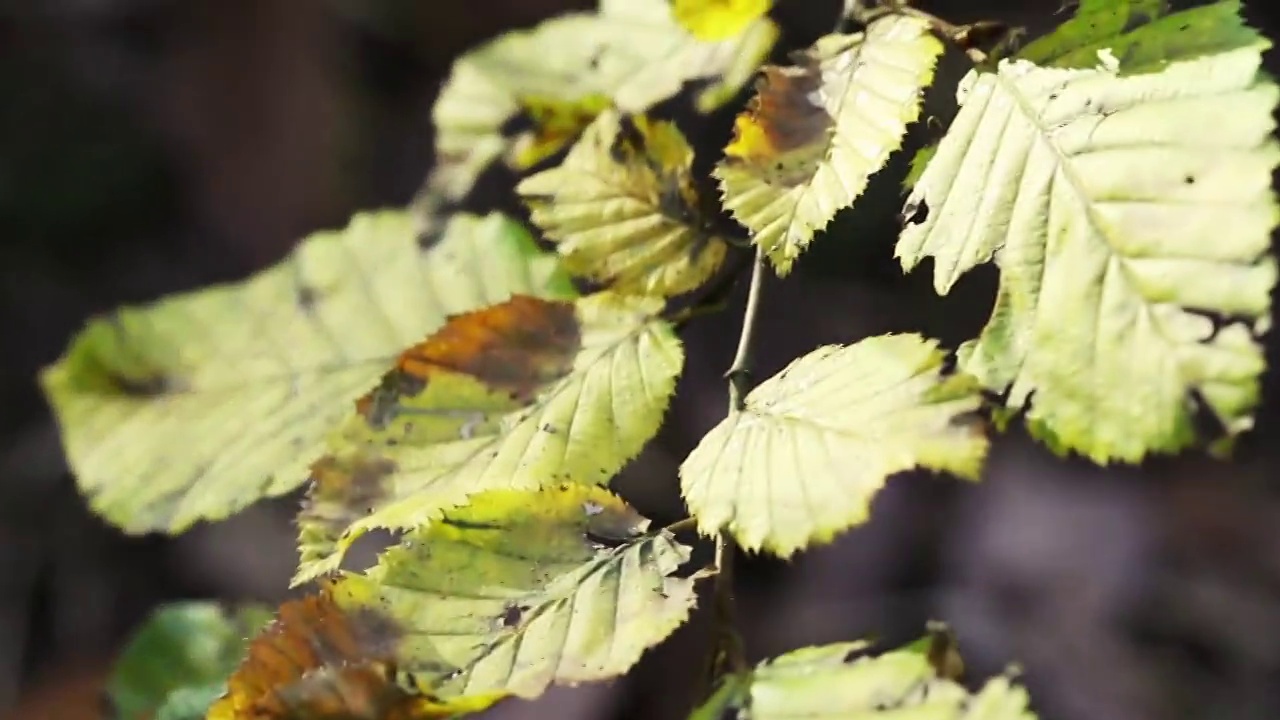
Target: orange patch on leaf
(317, 660)
(783, 115)
(518, 346)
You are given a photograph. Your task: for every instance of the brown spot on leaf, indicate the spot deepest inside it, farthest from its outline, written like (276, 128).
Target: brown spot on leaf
(318, 660)
(783, 115)
(512, 615)
(518, 346)
(344, 489)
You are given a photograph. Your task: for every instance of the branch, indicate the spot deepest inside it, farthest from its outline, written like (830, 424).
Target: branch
(726, 650)
(739, 373)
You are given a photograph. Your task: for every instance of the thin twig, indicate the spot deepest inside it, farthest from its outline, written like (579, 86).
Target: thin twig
(739, 373)
(726, 651)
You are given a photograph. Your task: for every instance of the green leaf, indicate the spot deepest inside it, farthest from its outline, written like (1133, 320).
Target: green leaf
(505, 596)
(816, 132)
(559, 75)
(803, 460)
(183, 649)
(197, 405)
(842, 681)
(1141, 34)
(190, 703)
(1119, 223)
(623, 208)
(518, 395)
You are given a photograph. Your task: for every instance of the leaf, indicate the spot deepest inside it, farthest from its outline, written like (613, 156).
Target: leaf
(623, 208)
(842, 681)
(1142, 35)
(1120, 227)
(199, 404)
(518, 395)
(182, 647)
(190, 703)
(320, 660)
(718, 19)
(559, 75)
(506, 596)
(803, 460)
(815, 133)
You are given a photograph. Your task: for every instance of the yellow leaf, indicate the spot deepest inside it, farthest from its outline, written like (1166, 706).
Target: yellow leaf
(560, 74)
(816, 132)
(623, 209)
(197, 405)
(840, 681)
(503, 597)
(518, 395)
(718, 19)
(814, 444)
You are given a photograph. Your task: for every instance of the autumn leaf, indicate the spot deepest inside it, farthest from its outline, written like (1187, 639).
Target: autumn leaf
(528, 94)
(199, 404)
(815, 443)
(623, 209)
(1119, 226)
(515, 396)
(718, 19)
(814, 133)
(503, 597)
(844, 681)
(179, 659)
(318, 659)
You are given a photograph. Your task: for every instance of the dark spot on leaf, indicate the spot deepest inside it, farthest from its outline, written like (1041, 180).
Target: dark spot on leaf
(306, 297)
(143, 387)
(915, 213)
(382, 404)
(343, 489)
(430, 237)
(1189, 179)
(512, 615)
(549, 428)
(471, 524)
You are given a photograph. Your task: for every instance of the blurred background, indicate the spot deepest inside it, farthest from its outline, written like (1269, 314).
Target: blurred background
(153, 146)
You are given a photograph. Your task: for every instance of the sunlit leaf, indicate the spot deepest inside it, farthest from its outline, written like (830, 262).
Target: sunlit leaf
(718, 19)
(179, 659)
(1143, 35)
(1124, 212)
(524, 96)
(840, 681)
(517, 395)
(505, 596)
(318, 659)
(816, 132)
(201, 403)
(623, 209)
(816, 442)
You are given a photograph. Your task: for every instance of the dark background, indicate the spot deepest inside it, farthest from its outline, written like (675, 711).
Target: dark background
(150, 146)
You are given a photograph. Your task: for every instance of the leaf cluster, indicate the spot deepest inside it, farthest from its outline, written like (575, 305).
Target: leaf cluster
(474, 381)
